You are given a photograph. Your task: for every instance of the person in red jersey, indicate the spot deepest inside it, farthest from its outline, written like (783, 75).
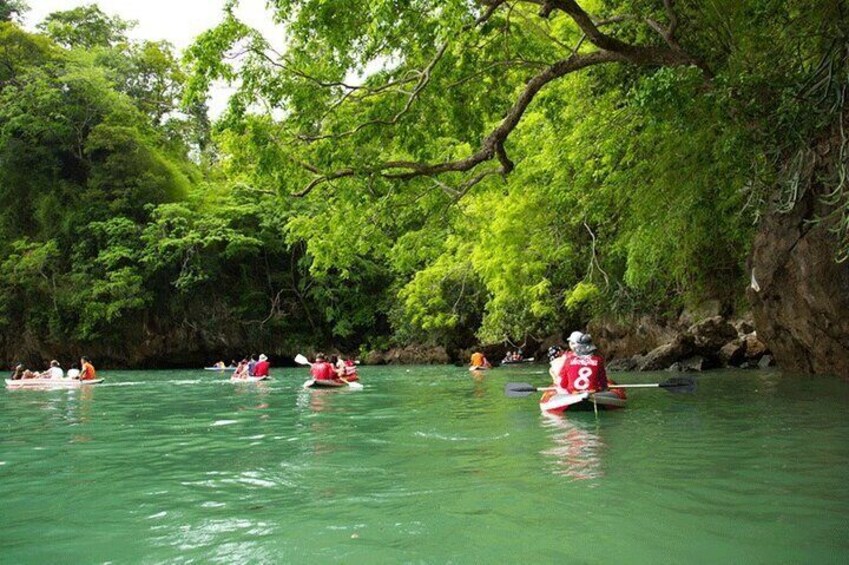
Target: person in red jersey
(262, 366)
(322, 370)
(582, 369)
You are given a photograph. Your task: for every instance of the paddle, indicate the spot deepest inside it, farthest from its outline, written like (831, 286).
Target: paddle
(354, 385)
(675, 384)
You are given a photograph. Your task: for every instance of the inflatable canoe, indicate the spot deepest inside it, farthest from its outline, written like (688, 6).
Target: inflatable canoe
(247, 379)
(518, 361)
(317, 384)
(553, 402)
(44, 384)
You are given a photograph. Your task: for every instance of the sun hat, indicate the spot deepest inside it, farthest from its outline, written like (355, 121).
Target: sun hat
(262, 357)
(575, 337)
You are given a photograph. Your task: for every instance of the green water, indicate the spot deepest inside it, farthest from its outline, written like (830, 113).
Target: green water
(426, 465)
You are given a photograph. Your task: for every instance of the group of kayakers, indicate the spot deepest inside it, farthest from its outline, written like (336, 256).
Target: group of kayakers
(335, 369)
(252, 367)
(84, 371)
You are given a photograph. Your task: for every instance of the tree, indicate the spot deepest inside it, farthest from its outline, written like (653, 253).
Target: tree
(11, 10)
(85, 26)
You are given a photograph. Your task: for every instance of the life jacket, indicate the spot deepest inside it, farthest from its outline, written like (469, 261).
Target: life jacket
(323, 371)
(261, 369)
(350, 371)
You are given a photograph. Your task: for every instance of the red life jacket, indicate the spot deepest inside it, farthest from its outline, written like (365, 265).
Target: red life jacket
(323, 371)
(261, 369)
(351, 371)
(582, 373)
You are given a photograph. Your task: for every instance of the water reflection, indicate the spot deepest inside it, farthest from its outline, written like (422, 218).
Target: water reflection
(577, 450)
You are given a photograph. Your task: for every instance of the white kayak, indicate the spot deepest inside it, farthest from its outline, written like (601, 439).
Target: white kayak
(316, 383)
(247, 379)
(219, 368)
(50, 383)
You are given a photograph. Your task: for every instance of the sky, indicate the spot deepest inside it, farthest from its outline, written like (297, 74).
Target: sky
(176, 21)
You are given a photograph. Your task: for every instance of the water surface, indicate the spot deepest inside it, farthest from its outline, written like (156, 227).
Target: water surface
(426, 465)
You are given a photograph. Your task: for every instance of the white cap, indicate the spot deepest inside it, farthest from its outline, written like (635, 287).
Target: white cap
(262, 357)
(575, 337)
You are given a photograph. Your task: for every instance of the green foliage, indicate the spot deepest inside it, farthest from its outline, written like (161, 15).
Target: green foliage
(85, 27)
(635, 189)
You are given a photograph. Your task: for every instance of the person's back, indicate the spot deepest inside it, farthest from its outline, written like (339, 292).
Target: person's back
(87, 373)
(583, 368)
(350, 370)
(74, 372)
(478, 360)
(321, 370)
(55, 371)
(262, 367)
(251, 366)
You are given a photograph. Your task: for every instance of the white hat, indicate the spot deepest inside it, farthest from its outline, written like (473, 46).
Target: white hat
(262, 357)
(575, 337)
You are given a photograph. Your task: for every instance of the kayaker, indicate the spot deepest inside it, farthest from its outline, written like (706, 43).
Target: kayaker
(241, 371)
(17, 372)
(347, 369)
(262, 366)
(581, 369)
(321, 370)
(74, 372)
(252, 365)
(87, 373)
(478, 361)
(54, 372)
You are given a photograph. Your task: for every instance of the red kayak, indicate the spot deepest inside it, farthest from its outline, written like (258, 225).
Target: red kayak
(554, 402)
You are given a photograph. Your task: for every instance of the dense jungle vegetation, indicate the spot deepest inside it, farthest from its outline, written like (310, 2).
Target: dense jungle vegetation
(437, 172)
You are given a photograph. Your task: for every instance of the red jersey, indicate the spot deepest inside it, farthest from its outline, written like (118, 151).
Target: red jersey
(261, 369)
(581, 373)
(323, 371)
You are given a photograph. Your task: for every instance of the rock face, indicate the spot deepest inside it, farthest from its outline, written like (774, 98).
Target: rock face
(799, 294)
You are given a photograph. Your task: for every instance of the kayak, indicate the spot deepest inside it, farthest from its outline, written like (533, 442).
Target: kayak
(247, 379)
(315, 383)
(319, 384)
(527, 360)
(50, 383)
(218, 368)
(553, 402)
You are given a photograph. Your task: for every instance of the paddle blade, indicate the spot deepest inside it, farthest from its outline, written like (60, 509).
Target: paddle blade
(301, 360)
(354, 385)
(517, 390)
(679, 385)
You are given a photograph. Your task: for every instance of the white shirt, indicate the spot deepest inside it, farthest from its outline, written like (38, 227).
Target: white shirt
(73, 373)
(55, 373)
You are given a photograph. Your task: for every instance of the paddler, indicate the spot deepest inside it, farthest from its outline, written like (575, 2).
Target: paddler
(346, 369)
(262, 366)
(322, 370)
(478, 361)
(581, 369)
(87, 373)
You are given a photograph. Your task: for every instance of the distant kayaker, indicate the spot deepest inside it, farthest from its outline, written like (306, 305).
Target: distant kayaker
(54, 372)
(262, 366)
(241, 371)
(252, 365)
(478, 361)
(17, 372)
(321, 370)
(346, 368)
(74, 372)
(582, 368)
(87, 373)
